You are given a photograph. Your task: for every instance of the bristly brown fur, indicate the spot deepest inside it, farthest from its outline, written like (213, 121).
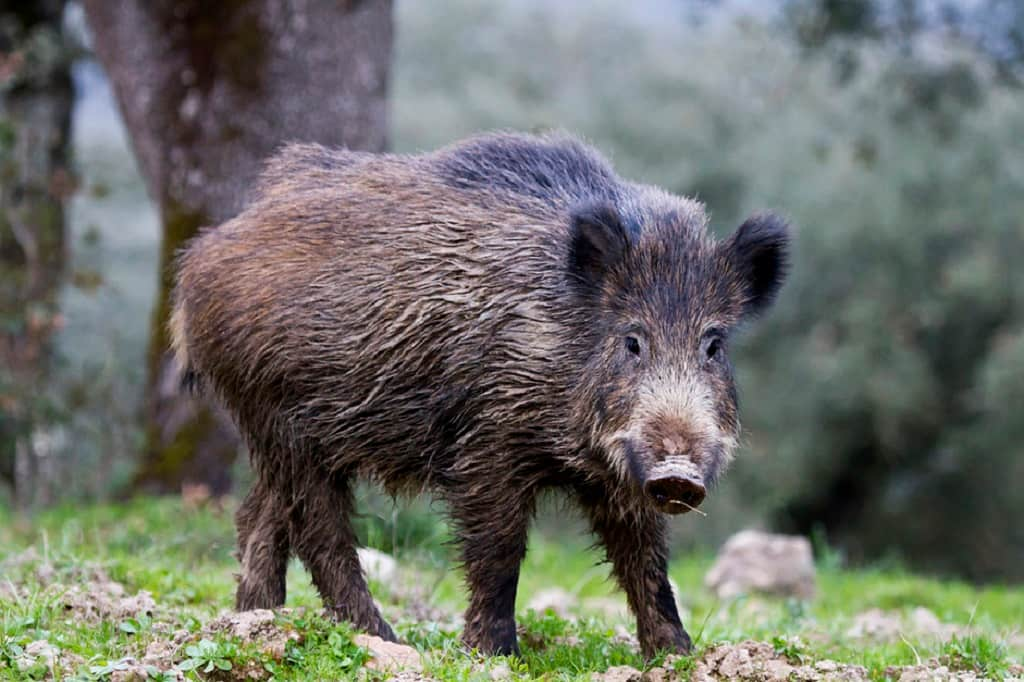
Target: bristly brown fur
(455, 322)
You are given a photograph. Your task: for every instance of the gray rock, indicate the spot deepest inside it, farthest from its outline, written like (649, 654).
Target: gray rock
(377, 565)
(752, 561)
(389, 656)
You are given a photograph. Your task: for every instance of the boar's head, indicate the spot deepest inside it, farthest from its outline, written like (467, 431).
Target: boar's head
(660, 298)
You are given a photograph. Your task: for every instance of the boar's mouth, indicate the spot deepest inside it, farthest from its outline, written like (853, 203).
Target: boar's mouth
(675, 489)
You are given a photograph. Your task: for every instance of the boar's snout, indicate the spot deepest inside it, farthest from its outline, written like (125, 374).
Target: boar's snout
(675, 493)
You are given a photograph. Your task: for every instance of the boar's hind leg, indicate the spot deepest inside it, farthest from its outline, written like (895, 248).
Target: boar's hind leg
(492, 534)
(262, 522)
(323, 538)
(637, 549)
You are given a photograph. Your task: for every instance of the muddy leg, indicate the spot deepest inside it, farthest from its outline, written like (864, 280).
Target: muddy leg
(262, 522)
(322, 536)
(493, 539)
(637, 549)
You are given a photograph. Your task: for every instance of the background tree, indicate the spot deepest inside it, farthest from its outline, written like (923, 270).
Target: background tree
(35, 116)
(207, 91)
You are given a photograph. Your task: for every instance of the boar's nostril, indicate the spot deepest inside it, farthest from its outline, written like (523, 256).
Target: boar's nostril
(676, 494)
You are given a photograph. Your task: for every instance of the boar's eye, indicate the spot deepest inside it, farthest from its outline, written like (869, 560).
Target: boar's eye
(633, 345)
(713, 347)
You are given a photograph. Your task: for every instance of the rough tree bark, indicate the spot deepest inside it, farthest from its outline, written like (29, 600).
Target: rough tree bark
(36, 96)
(208, 90)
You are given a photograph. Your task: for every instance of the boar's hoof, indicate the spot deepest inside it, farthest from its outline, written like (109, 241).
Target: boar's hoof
(667, 639)
(372, 625)
(495, 639)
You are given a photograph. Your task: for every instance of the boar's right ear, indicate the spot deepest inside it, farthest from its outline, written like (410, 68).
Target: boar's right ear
(758, 253)
(598, 240)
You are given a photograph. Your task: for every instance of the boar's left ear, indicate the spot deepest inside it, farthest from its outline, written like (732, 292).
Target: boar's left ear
(598, 240)
(758, 253)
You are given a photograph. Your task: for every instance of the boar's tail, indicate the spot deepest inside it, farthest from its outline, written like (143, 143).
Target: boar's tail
(189, 377)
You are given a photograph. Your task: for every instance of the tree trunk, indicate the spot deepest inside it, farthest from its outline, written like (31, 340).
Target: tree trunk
(36, 96)
(208, 90)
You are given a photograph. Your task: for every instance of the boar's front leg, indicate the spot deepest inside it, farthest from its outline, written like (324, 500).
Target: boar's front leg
(637, 547)
(492, 529)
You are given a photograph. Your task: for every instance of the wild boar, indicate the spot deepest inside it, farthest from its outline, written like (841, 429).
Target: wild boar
(484, 322)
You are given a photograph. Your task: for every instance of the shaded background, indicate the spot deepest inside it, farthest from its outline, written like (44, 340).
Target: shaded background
(881, 397)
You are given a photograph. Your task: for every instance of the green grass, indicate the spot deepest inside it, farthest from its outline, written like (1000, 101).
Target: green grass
(184, 559)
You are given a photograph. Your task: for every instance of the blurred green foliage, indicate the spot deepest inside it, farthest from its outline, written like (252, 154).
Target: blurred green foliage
(882, 396)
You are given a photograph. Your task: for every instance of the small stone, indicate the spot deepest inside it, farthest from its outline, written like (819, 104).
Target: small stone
(666, 672)
(377, 565)
(736, 663)
(258, 626)
(42, 649)
(657, 675)
(105, 600)
(777, 669)
(243, 624)
(39, 651)
(388, 656)
(752, 660)
(134, 672)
